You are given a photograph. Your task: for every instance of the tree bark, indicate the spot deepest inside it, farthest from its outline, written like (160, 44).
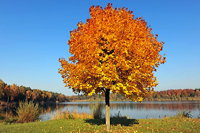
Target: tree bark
(107, 100)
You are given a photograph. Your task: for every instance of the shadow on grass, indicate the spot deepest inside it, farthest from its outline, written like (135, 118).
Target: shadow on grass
(122, 120)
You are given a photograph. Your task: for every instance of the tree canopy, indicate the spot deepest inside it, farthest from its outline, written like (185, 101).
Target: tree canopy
(112, 50)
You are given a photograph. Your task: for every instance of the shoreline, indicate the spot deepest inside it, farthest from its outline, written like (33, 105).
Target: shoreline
(163, 100)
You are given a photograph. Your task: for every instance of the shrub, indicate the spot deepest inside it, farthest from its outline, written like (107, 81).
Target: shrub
(27, 112)
(186, 114)
(8, 117)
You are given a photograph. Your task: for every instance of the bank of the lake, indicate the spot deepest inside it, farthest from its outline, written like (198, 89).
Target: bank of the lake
(165, 125)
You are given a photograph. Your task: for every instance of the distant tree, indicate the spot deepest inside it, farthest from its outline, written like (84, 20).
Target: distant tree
(197, 92)
(22, 93)
(14, 90)
(28, 95)
(112, 51)
(61, 97)
(7, 93)
(2, 87)
(34, 95)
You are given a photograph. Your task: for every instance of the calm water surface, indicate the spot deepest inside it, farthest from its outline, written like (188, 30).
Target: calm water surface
(129, 109)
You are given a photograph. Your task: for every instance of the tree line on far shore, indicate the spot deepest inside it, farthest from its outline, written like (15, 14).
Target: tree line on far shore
(15, 93)
(176, 94)
(167, 95)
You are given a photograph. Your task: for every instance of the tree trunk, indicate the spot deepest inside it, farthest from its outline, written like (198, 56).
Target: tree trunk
(107, 100)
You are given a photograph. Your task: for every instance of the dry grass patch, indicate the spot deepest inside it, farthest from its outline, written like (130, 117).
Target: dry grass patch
(72, 115)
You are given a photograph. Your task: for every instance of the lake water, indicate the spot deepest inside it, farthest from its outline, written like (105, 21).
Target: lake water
(130, 109)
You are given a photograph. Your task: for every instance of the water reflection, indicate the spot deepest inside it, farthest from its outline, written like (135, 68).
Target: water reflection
(130, 109)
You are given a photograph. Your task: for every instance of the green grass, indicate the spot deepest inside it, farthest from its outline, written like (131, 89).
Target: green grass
(165, 125)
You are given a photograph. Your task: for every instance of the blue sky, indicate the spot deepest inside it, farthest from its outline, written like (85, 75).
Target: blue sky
(34, 34)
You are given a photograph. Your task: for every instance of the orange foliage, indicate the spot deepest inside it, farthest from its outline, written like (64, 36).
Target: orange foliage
(112, 50)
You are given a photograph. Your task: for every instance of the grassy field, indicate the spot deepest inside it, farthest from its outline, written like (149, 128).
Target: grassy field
(165, 125)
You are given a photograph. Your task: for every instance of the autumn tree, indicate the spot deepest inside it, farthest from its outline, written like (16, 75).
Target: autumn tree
(14, 89)
(2, 86)
(112, 52)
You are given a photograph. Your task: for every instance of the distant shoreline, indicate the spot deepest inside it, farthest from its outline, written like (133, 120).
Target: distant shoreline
(11, 104)
(154, 100)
